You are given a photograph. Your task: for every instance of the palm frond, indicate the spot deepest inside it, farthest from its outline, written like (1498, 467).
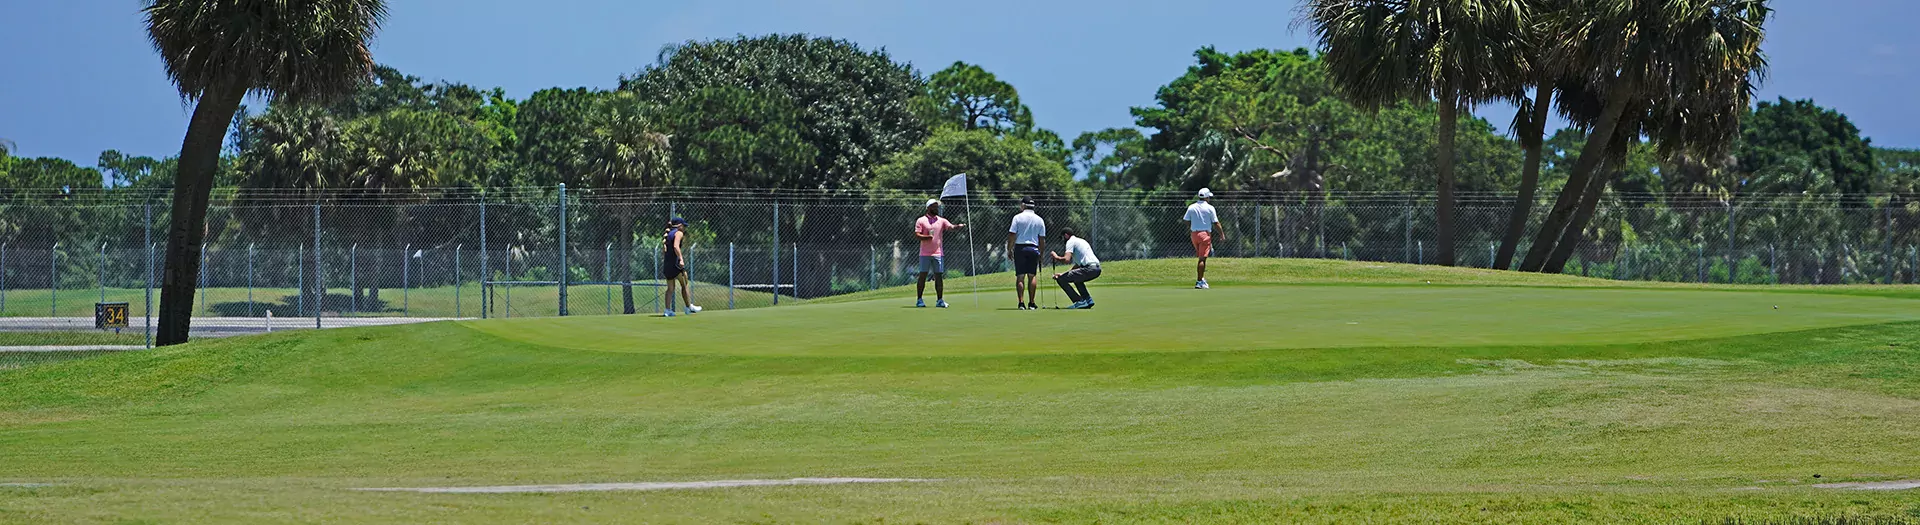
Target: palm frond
(306, 50)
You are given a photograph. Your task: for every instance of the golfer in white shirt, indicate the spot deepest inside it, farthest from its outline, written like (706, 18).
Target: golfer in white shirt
(1086, 267)
(1204, 224)
(1026, 240)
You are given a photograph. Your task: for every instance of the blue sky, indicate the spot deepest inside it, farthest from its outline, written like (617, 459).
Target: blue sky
(78, 76)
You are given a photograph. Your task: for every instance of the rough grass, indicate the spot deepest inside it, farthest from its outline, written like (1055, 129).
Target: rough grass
(1709, 417)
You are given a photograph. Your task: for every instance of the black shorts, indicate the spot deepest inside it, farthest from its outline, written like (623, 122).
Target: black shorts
(1026, 259)
(672, 270)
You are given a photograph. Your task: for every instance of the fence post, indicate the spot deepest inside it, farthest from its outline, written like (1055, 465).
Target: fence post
(606, 274)
(102, 270)
(1320, 223)
(202, 285)
(1773, 263)
(1344, 254)
(1886, 214)
(1732, 267)
(486, 276)
(659, 295)
(1700, 260)
(149, 312)
(873, 267)
(1093, 229)
(1913, 265)
(456, 279)
(1492, 253)
(507, 292)
(53, 283)
(1420, 252)
(319, 278)
(146, 229)
(300, 280)
(729, 275)
(1258, 231)
(353, 279)
(1406, 233)
(776, 253)
(565, 271)
(249, 279)
(406, 265)
(3, 276)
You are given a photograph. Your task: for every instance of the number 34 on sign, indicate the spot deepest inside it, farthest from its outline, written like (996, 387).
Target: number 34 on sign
(110, 316)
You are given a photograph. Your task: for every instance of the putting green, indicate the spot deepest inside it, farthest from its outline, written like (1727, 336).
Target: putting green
(1369, 397)
(1226, 318)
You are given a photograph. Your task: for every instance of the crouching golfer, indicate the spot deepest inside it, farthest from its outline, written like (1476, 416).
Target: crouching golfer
(1086, 267)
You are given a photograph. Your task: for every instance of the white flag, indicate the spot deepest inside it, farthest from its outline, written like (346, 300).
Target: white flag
(956, 186)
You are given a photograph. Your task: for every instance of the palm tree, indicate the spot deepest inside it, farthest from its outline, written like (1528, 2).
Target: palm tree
(218, 51)
(1687, 69)
(1459, 52)
(623, 150)
(1530, 124)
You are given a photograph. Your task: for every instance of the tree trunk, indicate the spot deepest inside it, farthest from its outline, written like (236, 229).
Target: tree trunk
(1569, 200)
(626, 268)
(1532, 138)
(1576, 230)
(193, 185)
(626, 274)
(1443, 208)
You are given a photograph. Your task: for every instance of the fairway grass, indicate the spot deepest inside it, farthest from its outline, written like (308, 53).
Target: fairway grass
(1255, 402)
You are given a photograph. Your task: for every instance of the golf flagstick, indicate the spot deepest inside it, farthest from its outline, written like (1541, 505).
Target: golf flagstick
(957, 186)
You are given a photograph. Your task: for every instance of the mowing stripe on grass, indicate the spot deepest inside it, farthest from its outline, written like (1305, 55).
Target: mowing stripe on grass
(658, 485)
(1874, 485)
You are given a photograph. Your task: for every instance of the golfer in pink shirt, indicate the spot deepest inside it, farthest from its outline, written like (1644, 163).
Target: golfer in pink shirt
(932, 229)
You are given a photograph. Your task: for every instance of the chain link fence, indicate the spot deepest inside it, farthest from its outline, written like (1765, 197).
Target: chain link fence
(307, 257)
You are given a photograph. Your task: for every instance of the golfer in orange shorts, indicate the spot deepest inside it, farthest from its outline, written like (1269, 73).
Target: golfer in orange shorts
(1205, 225)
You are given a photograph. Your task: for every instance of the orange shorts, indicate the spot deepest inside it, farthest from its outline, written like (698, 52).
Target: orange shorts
(1202, 244)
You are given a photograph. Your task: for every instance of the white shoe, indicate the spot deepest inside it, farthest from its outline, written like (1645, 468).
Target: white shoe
(693, 309)
(1201, 285)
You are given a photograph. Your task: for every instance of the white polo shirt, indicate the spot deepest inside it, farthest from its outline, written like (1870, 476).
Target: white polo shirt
(1081, 252)
(1200, 216)
(1028, 228)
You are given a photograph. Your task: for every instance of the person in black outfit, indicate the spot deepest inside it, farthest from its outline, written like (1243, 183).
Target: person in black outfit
(674, 265)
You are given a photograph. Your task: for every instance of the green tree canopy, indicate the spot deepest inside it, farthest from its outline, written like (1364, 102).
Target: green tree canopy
(1800, 129)
(992, 164)
(1272, 120)
(972, 98)
(852, 107)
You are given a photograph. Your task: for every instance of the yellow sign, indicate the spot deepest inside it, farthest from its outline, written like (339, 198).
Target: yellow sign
(109, 315)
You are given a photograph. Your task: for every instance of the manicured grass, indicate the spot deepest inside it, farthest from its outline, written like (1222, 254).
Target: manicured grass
(1255, 402)
(131, 336)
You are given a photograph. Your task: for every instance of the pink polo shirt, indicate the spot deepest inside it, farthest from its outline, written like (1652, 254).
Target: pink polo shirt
(937, 227)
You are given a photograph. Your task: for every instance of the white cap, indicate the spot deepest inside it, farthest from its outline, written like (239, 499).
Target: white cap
(932, 202)
(1206, 193)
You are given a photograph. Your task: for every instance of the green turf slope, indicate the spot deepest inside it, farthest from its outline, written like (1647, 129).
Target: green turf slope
(1467, 419)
